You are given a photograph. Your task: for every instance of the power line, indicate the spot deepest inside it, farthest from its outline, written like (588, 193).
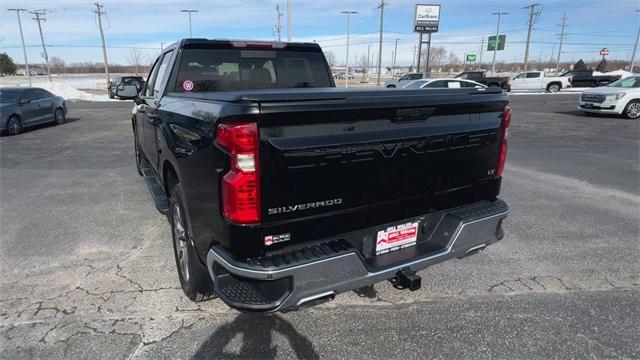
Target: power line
(40, 18)
(562, 35)
(99, 13)
(533, 17)
(24, 50)
(635, 47)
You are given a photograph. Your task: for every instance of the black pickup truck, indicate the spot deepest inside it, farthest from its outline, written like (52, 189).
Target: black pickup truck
(283, 191)
(585, 78)
(481, 77)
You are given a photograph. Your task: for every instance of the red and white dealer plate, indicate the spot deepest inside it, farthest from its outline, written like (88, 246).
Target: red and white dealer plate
(397, 237)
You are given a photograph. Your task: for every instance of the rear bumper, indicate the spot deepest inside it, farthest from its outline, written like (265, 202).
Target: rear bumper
(308, 275)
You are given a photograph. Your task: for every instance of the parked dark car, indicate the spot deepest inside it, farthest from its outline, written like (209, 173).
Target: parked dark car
(138, 81)
(585, 78)
(481, 77)
(23, 107)
(283, 191)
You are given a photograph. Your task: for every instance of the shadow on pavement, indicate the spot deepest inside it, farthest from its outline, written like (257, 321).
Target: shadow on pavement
(257, 335)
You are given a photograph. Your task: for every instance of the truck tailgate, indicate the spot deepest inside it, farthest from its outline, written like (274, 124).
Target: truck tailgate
(367, 152)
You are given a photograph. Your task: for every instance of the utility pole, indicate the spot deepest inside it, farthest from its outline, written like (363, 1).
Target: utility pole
(562, 35)
(24, 50)
(635, 47)
(381, 7)
(277, 29)
(368, 62)
(395, 54)
(481, 51)
(39, 18)
(426, 68)
(419, 53)
(495, 47)
(413, 59)
(533, 17)
(189, 11)
(348, 12)
(289, 20)
(99, 12)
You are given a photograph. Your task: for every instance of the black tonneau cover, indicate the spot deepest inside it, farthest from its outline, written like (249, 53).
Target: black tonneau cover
(319, 94)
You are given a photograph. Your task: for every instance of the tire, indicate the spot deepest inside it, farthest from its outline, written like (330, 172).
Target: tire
(59, 116)
(632, 110)
(554, 87)
(391, 86)
(138, 154)
(194, 277)
(14, 125)
(110, 95)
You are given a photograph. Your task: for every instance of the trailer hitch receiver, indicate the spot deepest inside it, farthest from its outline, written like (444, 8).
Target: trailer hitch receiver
(406, 279)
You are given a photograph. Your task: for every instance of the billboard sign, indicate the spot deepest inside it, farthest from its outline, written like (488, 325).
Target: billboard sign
(471, 58)
(427, 18)
(604, 52)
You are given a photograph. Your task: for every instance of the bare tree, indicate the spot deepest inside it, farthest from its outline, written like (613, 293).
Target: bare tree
(331, 57)
(135, 58)
(437, 55)
(57, 65)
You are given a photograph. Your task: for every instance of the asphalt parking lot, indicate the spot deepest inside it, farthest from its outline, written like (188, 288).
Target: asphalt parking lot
(88, 269)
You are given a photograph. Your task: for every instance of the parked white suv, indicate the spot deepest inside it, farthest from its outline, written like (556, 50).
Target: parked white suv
(620, 97)
(536, 80)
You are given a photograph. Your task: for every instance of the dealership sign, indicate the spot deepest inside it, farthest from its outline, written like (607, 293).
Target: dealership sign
(604, 52)
(470, 58)
(427, 18)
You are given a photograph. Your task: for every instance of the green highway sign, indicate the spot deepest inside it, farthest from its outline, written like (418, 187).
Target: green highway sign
(502, 39)
(471, 57)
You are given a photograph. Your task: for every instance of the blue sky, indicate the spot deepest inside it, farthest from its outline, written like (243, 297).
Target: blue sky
(71, 34)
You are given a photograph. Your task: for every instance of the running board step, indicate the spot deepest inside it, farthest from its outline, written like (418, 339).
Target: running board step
(155, 188)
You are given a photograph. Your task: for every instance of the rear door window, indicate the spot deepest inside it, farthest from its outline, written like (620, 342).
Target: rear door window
(204, 70)
(533, 75)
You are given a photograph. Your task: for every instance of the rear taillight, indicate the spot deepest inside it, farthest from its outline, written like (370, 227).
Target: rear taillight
(241, 185)
(504, 129)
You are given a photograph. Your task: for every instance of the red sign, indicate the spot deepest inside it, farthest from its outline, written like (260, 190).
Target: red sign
(604, 52)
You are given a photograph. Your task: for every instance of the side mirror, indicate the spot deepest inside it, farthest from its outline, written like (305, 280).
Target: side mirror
(24, 101)
(127, 92)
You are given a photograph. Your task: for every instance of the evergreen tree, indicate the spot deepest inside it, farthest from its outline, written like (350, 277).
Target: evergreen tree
(602, 66)
(580, 65)
(7, 66)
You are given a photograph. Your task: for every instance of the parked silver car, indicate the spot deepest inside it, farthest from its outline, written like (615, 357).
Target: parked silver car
(23, 107)
(406, 78)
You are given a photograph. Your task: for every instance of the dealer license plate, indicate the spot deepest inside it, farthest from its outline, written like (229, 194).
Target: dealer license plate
(397, 237)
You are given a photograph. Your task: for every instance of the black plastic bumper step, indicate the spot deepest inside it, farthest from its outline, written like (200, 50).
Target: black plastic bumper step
(155, 188)
(301, 255)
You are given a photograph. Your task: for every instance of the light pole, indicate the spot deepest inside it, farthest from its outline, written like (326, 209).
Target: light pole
(24, 50)
(495, 47)
(348, 12)
(189, 11)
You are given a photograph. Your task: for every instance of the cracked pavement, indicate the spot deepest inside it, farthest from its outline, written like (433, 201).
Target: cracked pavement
(88, 268)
